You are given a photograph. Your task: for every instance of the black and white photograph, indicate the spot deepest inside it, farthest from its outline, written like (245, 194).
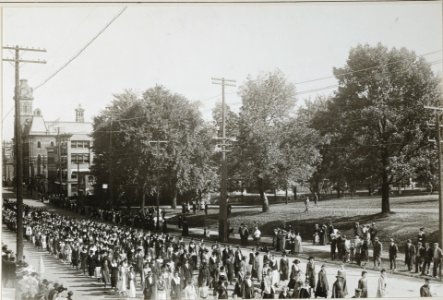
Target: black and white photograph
(209, 150)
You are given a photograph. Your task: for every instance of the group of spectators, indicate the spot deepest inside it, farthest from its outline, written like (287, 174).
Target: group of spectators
(28, 283)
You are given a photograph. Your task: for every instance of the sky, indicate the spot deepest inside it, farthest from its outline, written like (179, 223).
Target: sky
(182, 46)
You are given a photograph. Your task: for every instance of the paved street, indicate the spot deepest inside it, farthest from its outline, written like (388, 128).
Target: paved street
(88, 288)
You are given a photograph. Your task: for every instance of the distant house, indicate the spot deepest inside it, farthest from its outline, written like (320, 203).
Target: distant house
(57, 155)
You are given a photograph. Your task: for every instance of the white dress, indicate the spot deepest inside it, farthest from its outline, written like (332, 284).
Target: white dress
(43, 239)
(190, 293)
(131, 293)
(122, 277)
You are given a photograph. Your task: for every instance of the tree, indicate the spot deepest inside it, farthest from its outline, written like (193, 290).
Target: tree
(377, 114)
(299, 152)
(161, 144)
(267, 105)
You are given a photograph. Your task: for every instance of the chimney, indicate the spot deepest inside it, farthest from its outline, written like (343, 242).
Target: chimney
(79, 117)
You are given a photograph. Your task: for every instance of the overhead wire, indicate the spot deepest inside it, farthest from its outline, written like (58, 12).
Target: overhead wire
(82, 49)
(368, 68)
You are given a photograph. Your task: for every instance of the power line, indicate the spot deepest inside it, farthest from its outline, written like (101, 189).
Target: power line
(336, 85)
(366, 69)
(81, 50)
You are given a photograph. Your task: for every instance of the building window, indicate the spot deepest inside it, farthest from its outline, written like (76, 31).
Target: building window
(80, 144)
(39, 145)
(77, 158)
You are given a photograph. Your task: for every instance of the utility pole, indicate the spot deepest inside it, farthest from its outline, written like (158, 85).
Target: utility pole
(438, 140)
(111, 184)
(223, 229)
(18, 140)
(157, 153)
(59, 149)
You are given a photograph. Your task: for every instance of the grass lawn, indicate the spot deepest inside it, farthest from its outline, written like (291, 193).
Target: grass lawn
(412, 213)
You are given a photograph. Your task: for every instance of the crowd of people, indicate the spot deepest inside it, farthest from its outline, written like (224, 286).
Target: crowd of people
(127, 260)
(27, 281)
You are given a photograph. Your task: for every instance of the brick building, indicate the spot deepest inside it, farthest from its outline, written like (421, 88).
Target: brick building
(57, 155)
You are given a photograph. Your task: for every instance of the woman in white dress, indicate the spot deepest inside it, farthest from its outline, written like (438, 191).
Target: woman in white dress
(43, 239)
(68, 252)
(161, 288)
(189, 292)
(298, 244)
(122, 277)
(131, 278)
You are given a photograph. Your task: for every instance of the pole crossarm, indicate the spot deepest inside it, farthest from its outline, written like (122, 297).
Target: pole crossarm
(25, 61)
(24, 48)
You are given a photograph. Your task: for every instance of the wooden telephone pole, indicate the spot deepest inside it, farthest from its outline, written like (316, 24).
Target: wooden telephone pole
(438, 140)
(18, 140)
(223, 229)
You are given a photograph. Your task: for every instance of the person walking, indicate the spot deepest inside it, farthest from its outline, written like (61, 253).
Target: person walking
(363, 285)
(428, 259)
(381, 286)
(322, 288)
(377, 250)
(339, 289)
(114, 273)
(149, 287)
(393, 251)
(131, 279)
(420, 258)
(284, 267)
(436, 259)
(410, 253)
(310, 273)
(257, 237)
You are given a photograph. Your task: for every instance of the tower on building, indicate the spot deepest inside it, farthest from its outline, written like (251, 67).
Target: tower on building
(79, 114)
(25, 100)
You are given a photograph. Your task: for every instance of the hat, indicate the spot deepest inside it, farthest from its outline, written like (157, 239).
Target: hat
(70, 293)
(409, 241)
(284, 252)
(422, 228)
(358, 290)
(296, 261)
(340, 274)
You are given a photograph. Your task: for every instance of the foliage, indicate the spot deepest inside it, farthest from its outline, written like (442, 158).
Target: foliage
(272, 138)
(159, 143)
(376, 121)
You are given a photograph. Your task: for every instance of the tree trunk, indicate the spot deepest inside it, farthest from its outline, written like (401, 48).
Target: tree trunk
(275, 195)
(338, 192)
(174, 199)
(294, 189)
(385, 205)
(142, 201)
(286, 195)
(263, 197)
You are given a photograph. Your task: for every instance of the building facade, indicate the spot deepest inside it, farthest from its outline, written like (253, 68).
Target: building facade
(57, 155)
